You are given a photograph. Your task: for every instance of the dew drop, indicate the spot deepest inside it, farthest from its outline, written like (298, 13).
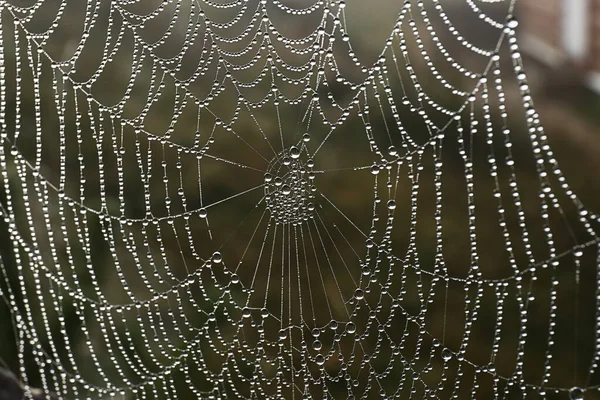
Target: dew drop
(375, 169)
(391, 204)
(512, 23)
(317, 345)
(202, 213)
(282, 334)
(217, 257)
(576, 393)
(350, 327)
(306, 138)
(446, 354)
(359, 294)
(294, 152)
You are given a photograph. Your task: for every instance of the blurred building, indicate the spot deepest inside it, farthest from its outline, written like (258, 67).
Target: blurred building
(563, 32)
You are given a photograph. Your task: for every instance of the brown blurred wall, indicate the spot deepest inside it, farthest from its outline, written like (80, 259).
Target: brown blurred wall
(559, 32)
(595, 35)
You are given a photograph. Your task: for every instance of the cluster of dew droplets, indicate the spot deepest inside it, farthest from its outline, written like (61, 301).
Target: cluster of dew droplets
(290, 187)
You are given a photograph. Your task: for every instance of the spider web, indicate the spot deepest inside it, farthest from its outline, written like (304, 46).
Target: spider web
(222, 199)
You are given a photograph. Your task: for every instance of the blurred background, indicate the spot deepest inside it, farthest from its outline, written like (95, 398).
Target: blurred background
(47, 232)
